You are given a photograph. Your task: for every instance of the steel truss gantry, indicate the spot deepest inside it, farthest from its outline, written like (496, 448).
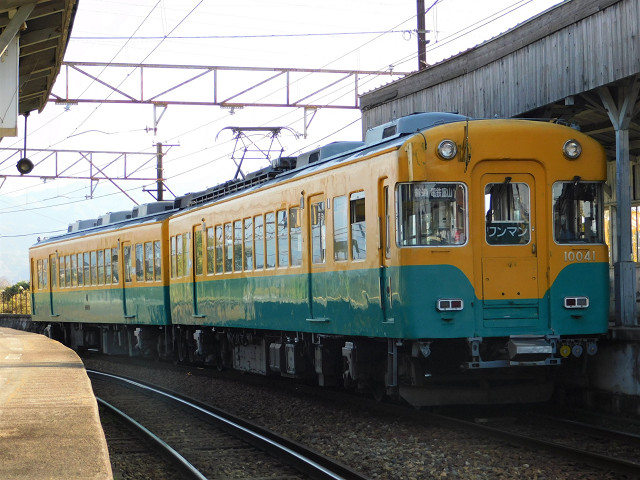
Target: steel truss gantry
(162, 85)
(93, 165)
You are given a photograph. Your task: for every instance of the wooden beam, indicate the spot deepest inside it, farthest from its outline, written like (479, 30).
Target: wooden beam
(565, 14)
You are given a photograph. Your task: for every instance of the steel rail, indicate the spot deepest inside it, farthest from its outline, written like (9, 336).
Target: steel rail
(157, 442)
(609, 432)
(591, 458)
(315, 464)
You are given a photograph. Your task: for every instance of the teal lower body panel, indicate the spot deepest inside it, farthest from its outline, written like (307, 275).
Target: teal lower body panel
(147, 305)
(281, 302)
(397, 302)
(589, 280)
(341, 303)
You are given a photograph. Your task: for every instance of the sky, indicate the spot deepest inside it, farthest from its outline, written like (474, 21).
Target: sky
(333, 34)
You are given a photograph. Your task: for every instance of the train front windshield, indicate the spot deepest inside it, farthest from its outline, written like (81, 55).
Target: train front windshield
(578, 212)
(432, 214)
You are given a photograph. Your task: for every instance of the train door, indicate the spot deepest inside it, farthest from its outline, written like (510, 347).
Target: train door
(510, 264)
(385, 216)
(197, 272)
(127, 283)
(318, 277)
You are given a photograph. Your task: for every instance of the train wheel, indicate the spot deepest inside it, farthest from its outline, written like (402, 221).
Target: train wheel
(379, 391)
(183, 356)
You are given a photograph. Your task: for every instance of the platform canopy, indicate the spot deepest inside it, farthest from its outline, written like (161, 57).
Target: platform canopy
(43, 28)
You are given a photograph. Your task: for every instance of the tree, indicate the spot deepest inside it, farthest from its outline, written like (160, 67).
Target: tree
(19, 287)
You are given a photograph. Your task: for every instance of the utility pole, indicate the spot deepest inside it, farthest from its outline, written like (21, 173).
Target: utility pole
(422, 43)
(159, 183)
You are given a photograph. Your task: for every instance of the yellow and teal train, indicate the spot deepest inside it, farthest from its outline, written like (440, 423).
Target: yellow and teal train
(442, 260)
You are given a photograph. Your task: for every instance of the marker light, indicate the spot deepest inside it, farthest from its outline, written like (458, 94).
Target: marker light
(592, 348)
(572, 149)
(576, 302)
(447, 149)
(450, 304)
(565, 351)
(577, 350)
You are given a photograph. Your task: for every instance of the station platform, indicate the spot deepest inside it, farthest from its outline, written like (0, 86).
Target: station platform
(49, 422)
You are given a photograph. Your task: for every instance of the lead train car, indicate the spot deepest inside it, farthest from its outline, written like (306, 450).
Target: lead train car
(441, 255)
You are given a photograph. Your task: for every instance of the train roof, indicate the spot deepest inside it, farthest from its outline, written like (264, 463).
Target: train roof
(141, 214)
(387, 135)
(384, 136)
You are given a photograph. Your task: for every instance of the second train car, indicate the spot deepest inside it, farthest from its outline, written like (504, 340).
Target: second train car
(442, 260)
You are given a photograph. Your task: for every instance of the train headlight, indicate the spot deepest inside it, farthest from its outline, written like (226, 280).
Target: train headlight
(572, 149)
(565, 351)
(447, 149)
(450, 304)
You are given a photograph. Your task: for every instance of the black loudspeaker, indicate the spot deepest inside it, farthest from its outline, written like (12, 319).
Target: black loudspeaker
(24, 166)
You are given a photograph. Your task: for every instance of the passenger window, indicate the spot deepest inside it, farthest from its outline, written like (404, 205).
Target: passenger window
(228, 245)
(100, 267)
(67, 271)
(270, 236)
(94, 268)
(107, 266)
(186, 252)
(86, 265)
(248, 244)
(318, 233)
(507, 213)
(219, 249)
(53, 272)
(258, 229)
(127, 264)
(115, 266)
(179, 260)
(40, 275)
(237, 246)
(198, 251)
(210, 250)
(340, 228)
(157, 259)
(283, 238)
(358, 226)
(45, 273)
(61, 272)
(295, 234)
(80, 269)
(74, 271)
(148, 261)
(139, 263)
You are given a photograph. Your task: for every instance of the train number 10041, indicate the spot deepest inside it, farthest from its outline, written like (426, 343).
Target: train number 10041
(580, 256)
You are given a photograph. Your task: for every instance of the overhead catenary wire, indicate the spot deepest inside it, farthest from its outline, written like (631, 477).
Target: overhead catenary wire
(289, 113)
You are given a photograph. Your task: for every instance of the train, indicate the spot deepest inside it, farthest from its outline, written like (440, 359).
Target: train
(444, 259)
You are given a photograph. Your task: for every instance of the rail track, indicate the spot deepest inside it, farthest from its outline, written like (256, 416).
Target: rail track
(209, 443)
(605, 448)
(132, 454)
(385, 440)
